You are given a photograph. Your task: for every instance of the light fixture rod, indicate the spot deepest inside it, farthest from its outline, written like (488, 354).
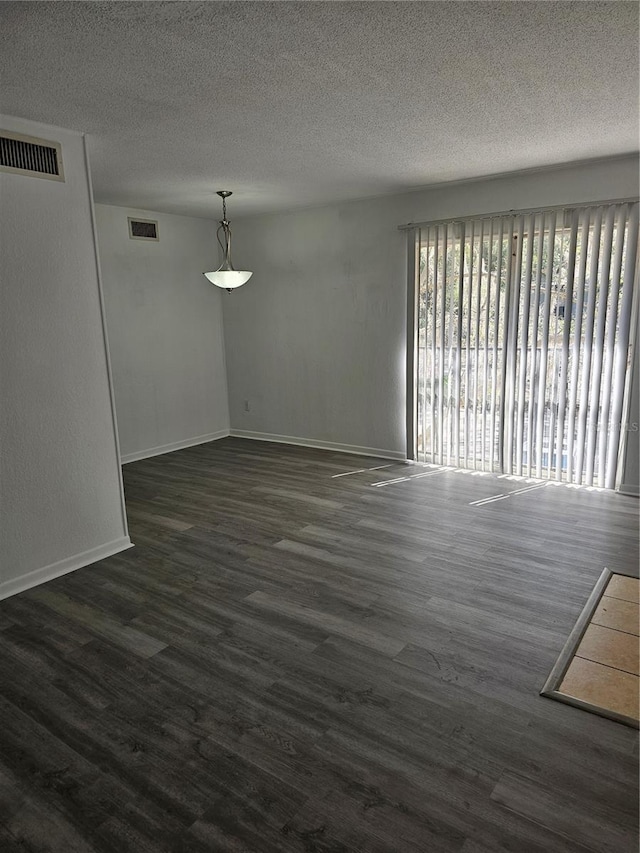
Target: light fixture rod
(224, 195)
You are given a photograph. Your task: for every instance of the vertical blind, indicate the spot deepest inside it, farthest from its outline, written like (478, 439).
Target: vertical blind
(523, 326)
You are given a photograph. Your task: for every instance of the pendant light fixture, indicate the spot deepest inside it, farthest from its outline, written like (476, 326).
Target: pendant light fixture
(226, 276)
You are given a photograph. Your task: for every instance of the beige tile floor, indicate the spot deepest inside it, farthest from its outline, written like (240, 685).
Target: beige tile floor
(605, 670)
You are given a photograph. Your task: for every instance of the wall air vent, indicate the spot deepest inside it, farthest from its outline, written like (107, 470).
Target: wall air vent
(27, 155)
(143, 229)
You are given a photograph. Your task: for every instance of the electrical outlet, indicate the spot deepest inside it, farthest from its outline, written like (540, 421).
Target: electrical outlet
(247, 408)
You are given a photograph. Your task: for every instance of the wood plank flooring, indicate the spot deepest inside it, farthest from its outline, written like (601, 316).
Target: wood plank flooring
(293, 661)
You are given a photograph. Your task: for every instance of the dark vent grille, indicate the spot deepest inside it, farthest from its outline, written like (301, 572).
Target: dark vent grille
(143, 229)
(29, 156)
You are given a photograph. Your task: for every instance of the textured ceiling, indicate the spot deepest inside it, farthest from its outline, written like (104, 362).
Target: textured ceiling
(292, 104)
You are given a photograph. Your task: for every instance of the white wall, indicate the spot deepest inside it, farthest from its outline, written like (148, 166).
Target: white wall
(316, 340)
(630, 481)
(60, 486)
(165, 332)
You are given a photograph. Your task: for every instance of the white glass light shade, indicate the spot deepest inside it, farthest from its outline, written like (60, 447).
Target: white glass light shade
(229, 279)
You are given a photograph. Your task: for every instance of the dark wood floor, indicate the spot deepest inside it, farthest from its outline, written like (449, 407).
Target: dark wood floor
(292, 661)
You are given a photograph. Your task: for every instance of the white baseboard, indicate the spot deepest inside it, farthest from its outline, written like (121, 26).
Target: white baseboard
(176, 445)
(626, 489)
(321, 445)
(63, 567)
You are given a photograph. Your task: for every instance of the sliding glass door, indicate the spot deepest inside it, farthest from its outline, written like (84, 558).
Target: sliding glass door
(522, 326)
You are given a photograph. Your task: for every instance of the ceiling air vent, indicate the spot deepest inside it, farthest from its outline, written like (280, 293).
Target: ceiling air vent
(27, 155)
(143, 229)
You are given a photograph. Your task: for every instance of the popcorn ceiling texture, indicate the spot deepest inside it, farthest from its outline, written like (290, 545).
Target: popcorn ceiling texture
(293, 104)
